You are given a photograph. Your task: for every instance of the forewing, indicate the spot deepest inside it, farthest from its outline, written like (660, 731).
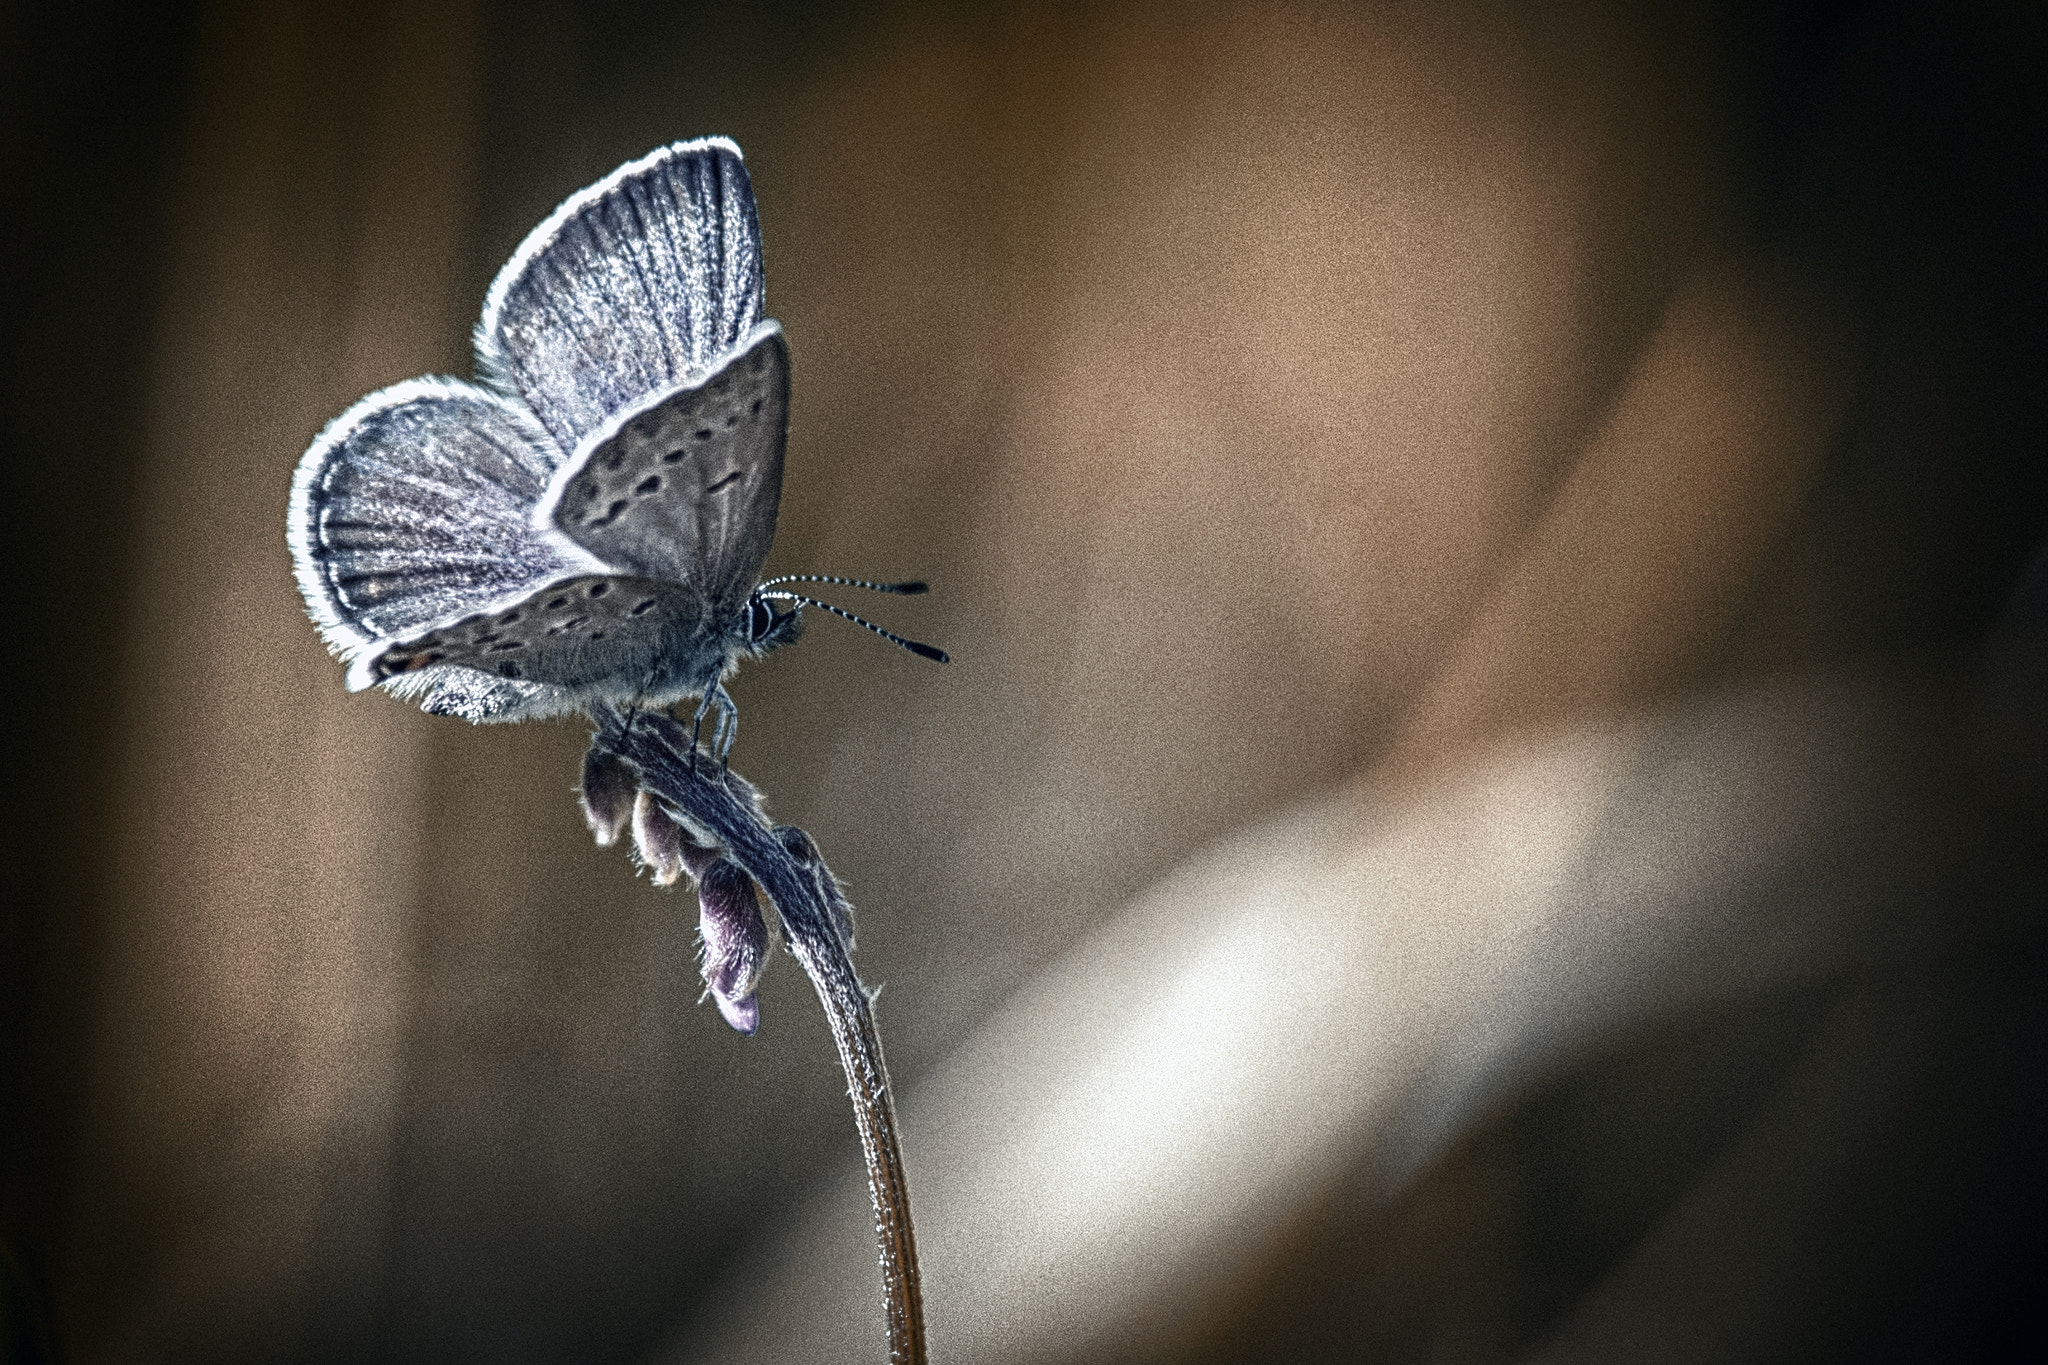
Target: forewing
(644, 281)
(685, 490)
(415, 506)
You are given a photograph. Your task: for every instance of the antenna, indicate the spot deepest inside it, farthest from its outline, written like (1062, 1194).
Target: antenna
(901, 589)
(921, 650)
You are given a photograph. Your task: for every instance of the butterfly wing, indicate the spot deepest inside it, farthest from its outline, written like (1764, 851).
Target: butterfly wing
(428, 515)
(647, 280)
(414, 507)
(685, 489)
(588, 636)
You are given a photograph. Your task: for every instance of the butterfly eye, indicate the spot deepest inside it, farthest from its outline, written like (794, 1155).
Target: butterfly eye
(760, 619)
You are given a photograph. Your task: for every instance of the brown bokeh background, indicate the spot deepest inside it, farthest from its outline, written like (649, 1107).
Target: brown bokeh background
(1489, 804)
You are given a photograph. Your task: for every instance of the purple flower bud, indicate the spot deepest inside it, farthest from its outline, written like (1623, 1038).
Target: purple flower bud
(663, 844)
(799, 845)
(735, 941)
(743, 1015)
(607, 795)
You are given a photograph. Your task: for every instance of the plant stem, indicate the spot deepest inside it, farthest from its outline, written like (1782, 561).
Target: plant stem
(704, 792)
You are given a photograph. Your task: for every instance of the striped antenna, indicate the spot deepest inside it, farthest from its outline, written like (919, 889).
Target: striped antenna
(902, 589)
(921, 650)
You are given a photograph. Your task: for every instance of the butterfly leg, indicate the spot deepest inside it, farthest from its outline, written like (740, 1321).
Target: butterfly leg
(725, 727)
(697, 726)
(727, 730)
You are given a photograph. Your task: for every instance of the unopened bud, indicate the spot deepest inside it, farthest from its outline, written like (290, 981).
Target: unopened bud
(735, 941)
(607, 795)
(664, 845)
(744, 1015)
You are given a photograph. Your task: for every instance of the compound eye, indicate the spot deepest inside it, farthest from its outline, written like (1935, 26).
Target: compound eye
(760, 618)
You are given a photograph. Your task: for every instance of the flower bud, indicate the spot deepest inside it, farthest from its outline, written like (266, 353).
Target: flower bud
(743, 1015)
(607, 794)
(735, 941)
(663, 844)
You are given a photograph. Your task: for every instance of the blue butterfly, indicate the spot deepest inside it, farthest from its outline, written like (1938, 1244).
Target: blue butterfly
(584, 527)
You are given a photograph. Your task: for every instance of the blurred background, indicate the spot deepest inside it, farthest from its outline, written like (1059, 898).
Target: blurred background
(1490, 804)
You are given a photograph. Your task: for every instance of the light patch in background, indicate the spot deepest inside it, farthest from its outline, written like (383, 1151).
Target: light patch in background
(1336, 996)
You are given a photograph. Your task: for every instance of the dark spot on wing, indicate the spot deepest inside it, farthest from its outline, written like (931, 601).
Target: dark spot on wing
(723, 482)
(755, 411)
(510, 618)
(674, 455)
(504, 645)
(391, 665)
(611, 514)
(642, 608)
(557, 603)
(599, 589)
(703, 433)
(650, 484)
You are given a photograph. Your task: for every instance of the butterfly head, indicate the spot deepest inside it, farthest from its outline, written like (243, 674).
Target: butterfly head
(765, 628)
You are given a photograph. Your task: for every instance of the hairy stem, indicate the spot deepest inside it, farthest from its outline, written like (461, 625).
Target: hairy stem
(708, 796)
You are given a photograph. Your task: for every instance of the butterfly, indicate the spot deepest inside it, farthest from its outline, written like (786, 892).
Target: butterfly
(584, 525)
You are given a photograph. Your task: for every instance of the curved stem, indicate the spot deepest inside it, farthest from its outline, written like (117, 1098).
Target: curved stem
(726, 805)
